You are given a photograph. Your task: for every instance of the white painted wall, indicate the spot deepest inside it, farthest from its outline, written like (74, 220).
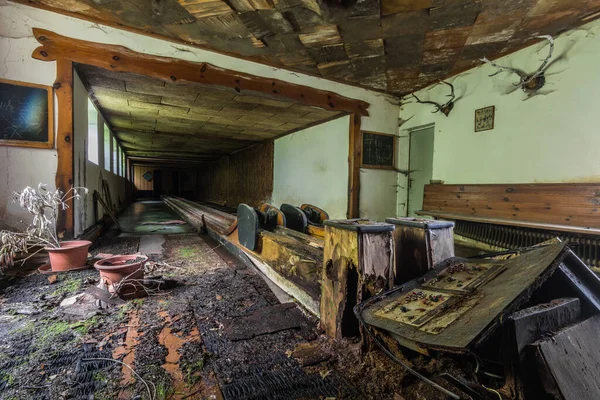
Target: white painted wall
(378, 193)
(547, 138)
(311, 166)
(88, 174)
(21, 166)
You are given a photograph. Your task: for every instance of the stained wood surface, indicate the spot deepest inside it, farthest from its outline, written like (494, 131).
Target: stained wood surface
(571, 360)
(477, 314)
(339, 258)
(138, 179)
(569, 205)
(65, 142)
(354, 160)
(298, 257)
(190, 121)
(119, 58)
(244, 177)
(397, 46)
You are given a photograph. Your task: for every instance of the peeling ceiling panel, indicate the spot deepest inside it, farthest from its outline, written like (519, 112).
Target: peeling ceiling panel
(368, 43)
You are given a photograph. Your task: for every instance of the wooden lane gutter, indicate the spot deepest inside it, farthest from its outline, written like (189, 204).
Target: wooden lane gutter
(292, 260)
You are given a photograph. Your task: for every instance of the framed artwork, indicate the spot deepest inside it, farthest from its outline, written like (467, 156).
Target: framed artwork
(26, 115)
(378, 150)
(484, 118)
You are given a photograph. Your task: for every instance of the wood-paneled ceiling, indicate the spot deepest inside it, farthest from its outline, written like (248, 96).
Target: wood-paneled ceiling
(396, 46)
(164, 121)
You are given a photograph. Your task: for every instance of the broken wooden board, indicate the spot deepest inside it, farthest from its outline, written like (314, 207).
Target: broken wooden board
(568, 363)
(526, 327)
(309, 353)
(469, 320)
(265, 320)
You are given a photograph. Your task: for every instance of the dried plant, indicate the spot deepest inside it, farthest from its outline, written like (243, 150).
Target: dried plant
(44, 205)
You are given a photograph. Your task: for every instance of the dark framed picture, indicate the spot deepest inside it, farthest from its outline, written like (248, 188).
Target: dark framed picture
(484, 118)
(378, 150)
(26, 115)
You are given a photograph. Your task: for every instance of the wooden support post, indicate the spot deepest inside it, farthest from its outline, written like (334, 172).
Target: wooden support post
(354, 160)
(63, 87)
(357, 264)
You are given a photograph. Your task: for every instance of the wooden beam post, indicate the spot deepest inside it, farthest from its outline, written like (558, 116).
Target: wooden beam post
(354, 160)
(119, 58)
(63, 87)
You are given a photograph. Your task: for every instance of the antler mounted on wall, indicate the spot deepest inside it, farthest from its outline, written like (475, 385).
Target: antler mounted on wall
(528, 82)
(444, 108)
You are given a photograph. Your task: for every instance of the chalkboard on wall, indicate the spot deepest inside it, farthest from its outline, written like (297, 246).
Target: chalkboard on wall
(26, 115)
(378, 150)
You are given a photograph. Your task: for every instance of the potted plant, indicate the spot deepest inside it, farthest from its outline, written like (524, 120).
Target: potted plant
(44, 205)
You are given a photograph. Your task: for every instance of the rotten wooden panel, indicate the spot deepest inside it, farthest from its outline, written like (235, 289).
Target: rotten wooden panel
(266, 31)
(357, 264)
(463, 317)
(122, 59)
(567, 362)
(403, 6)
(297, 257)
(321, 36)
(145, 104)
(265, 320)
(420, 245)
(203, 8)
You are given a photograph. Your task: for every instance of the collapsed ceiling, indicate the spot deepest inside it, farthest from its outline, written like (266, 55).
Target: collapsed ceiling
(396, 46)
(158, 120)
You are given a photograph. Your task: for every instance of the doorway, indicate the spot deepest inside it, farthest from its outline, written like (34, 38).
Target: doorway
(158, 180)
(420, 165)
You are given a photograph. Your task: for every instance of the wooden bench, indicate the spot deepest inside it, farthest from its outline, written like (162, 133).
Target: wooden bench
(566, 207)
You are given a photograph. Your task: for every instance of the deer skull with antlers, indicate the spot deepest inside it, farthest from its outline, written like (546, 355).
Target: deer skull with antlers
(528, 82)
(444, 108)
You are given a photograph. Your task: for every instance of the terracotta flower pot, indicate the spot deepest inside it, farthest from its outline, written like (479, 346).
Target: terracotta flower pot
(70, 255)
(116, 268)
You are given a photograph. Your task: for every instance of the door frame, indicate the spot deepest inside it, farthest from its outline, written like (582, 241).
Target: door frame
(410, 132)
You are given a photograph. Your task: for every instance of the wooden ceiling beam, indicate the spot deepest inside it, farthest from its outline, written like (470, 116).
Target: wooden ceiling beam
(118, 58)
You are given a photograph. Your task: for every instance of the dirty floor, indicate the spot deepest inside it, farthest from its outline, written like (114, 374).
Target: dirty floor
(214, 330)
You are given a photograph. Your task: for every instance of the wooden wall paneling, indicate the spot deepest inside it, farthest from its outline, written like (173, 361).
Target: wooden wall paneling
(354, 160)
(119, 58)
(553, 203)
(243, 177)
(63, 86)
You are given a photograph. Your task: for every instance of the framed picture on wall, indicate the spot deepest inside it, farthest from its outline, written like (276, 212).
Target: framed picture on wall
(378, 150)
(26, 115)
(484, 118)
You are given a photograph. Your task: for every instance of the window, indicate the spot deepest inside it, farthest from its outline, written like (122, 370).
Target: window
(115, 146)
(123, 165)
(92, 142)
(119, 166)
(107, 135)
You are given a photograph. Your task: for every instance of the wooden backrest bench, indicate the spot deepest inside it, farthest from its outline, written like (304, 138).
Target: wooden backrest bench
(563, 207)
